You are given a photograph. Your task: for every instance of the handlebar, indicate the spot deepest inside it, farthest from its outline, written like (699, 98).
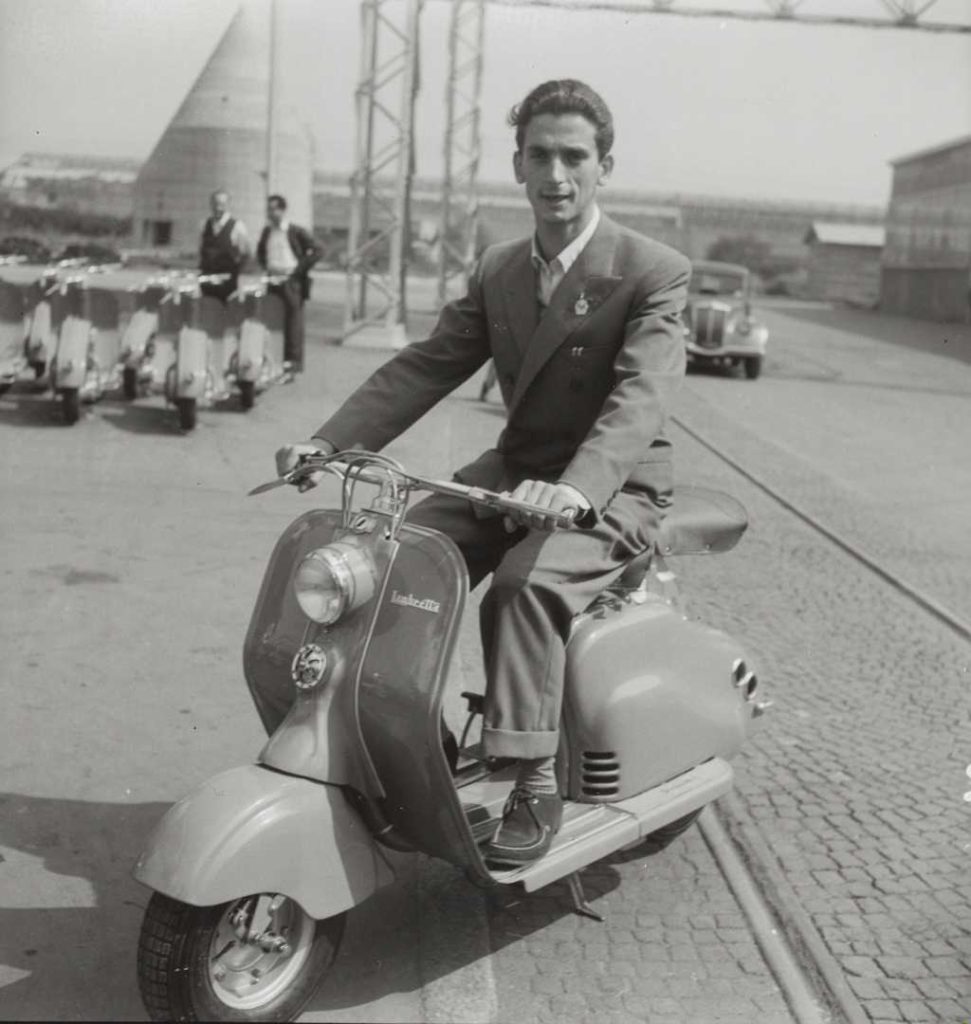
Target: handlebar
(368, 468)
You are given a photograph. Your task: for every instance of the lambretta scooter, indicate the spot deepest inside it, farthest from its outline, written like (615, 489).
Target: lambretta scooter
(347, 659)
(258, 360)
(13, 315)
(190, 379)
(85, 364)
(139, 338)
(47, 308)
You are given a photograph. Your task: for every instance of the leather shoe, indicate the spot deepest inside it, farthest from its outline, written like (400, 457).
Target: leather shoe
(529, 823)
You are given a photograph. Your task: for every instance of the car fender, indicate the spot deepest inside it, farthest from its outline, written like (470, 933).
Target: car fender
(253, 829)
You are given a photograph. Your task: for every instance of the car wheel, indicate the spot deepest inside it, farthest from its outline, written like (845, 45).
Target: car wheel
(753, 367)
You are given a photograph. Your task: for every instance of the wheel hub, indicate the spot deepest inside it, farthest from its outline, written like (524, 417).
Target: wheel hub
(258, 947)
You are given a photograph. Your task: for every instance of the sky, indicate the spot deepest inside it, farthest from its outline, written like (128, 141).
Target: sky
(707, 106)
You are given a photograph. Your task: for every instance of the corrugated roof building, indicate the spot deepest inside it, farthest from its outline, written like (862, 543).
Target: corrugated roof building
(844, 262)
(218, 139)
(927, 259)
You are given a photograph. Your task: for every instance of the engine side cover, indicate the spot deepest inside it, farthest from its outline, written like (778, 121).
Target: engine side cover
(649, 695)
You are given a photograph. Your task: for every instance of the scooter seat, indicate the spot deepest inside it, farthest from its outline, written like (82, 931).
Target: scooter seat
(699, 522)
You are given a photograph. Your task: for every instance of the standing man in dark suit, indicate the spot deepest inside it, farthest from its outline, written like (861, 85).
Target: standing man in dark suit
(287, 252)
(223, 248)
(583, 321)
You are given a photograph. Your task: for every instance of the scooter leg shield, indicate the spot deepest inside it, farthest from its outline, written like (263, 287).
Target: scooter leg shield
(253, 830)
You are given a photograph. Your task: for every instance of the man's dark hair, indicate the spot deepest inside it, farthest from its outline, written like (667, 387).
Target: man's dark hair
(565, 96)
(277, 200)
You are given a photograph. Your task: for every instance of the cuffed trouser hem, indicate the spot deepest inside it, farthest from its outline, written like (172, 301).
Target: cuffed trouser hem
(530, 745)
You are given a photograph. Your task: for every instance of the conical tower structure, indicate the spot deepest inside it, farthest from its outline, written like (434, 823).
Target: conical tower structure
(224, 137)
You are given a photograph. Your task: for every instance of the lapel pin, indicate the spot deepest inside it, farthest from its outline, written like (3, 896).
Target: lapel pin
(582, 306)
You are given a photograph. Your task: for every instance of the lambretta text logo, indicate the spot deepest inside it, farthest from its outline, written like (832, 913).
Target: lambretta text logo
(425, 604)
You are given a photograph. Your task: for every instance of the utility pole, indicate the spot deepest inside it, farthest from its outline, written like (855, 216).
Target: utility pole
(375, 310)
(271, 101)
(463, 93)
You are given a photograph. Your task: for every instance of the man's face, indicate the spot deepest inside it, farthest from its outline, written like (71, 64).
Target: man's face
(560, 167)
(219, 204)
(275, 214)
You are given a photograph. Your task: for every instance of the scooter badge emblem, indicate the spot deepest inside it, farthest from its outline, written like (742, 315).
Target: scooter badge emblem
(308, 667)
(582, 306)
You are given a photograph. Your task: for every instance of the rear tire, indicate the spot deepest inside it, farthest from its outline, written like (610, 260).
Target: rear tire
(663, 837)
(129, 383)
(753, 367)
(187, 413)
(71, 405)
(247, 394)
(191, 966)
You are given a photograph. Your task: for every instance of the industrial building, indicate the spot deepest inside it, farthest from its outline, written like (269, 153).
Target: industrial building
(232, 131)
(927, 258)
(96, 185)
(691, 223)
(844, 262)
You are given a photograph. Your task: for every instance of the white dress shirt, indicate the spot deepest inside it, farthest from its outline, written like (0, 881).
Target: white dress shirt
(280, 258)
(549, 275)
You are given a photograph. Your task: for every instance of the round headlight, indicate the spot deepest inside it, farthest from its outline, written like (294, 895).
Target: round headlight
(333, 580)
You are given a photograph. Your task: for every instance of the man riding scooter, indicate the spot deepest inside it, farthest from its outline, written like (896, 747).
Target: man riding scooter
(583, 323)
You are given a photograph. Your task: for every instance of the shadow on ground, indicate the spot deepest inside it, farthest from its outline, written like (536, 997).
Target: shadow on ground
(80, 959)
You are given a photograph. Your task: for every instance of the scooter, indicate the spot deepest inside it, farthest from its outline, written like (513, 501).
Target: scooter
(46, 302)
(190, 378)
(138, 341)
(12, 322)
(258, 360)
(347, 658)
(84, 366)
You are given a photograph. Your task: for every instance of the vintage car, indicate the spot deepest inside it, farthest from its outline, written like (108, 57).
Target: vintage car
(719, 329)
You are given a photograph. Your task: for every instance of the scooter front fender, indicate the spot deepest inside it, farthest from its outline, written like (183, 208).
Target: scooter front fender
(253, 830)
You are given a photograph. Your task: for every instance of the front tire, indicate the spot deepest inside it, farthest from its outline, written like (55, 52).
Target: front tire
(71, 405)
(187, 413)
(193, 965)
(247, 393)
(129, 383)
(753, 367)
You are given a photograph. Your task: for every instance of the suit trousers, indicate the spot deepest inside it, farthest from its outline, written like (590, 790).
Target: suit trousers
(540, 582)
(291, 292)
(221, 291)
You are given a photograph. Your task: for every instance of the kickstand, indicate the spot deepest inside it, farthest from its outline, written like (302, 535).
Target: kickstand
(580, 904)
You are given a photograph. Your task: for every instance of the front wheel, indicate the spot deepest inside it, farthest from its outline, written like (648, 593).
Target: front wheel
(129, 383)
(247, 393)
(753, 367)
(260, 958)
(187, 413)
(71, 405)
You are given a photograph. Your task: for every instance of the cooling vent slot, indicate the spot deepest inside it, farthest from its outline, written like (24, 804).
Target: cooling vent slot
(601, 773)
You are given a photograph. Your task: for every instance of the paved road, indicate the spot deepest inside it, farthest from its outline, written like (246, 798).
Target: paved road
(857, 782)
(129, 561)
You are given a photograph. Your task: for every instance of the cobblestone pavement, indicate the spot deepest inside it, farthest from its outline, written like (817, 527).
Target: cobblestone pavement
(674, 948)
(856, 780)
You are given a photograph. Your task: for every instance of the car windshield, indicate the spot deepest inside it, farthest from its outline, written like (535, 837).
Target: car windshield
(706, 281)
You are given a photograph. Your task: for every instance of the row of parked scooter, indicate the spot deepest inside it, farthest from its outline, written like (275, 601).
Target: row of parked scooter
(81, 339)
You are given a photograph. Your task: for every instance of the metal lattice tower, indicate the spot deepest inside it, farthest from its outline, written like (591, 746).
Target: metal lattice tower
(378, 244)
(463, 92)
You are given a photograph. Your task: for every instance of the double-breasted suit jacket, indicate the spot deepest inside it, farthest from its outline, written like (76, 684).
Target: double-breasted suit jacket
(586, 383)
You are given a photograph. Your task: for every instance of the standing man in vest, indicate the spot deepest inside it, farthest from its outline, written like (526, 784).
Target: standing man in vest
(287, 252)
(224, 246)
